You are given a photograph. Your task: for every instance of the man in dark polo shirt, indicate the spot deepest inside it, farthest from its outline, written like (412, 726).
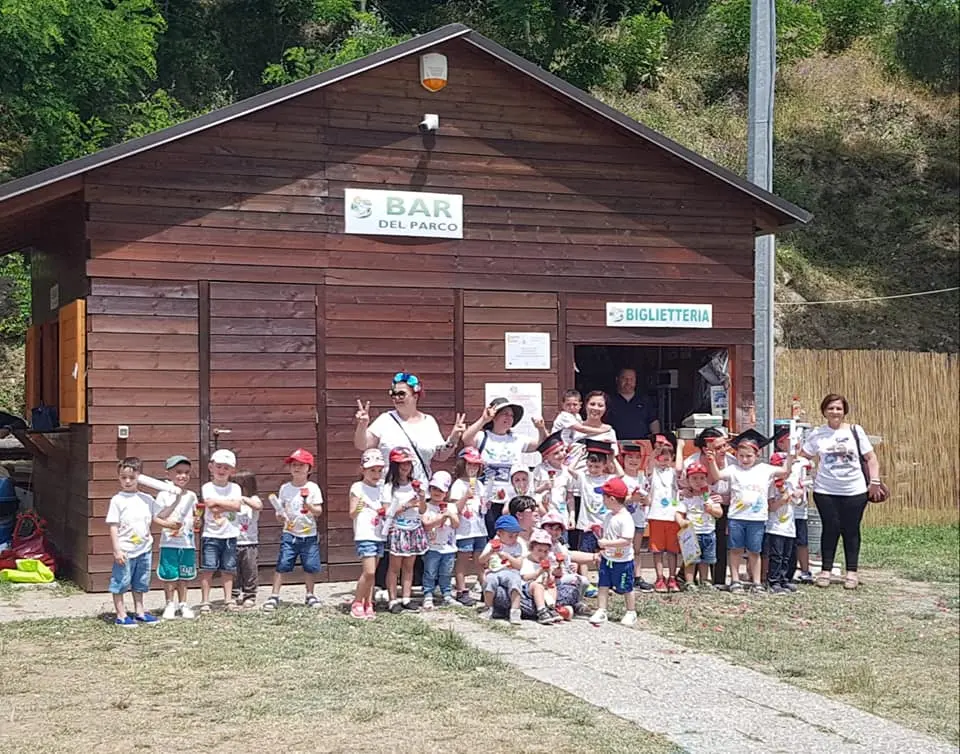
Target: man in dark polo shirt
(632, 416)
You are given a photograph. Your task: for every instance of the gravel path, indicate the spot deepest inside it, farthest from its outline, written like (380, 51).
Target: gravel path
(640, 676)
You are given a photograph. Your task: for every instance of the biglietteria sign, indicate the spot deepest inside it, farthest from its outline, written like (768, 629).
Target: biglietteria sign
(402, 213)
(621, 314)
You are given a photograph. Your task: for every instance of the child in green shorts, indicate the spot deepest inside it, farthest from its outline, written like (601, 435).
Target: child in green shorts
(178, 554)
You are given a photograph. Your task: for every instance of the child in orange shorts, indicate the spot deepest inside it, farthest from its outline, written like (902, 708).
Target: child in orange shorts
(663, 473)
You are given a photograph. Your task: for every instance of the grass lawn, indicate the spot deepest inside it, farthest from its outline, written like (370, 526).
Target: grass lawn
(296, 681)
(891, 647)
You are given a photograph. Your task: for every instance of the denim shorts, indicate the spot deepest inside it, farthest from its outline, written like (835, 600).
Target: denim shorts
(802, 534)
(218, 554)
(132, 576)
(708, 548)
(292, 547)
(616, 576)
(472, 544)
(588, 542)
(368, 548)
(508, 578)
(745, 535)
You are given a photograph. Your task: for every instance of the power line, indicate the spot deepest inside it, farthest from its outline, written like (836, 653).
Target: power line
(872, 298)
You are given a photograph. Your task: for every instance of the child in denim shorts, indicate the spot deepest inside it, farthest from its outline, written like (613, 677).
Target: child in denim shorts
(218, 545)
(129, 518)
(300, 502)
(467, 494)
(702, 511)
(367, 512)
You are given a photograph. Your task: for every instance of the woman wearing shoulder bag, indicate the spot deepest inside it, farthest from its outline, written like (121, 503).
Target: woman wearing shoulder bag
(842, 486)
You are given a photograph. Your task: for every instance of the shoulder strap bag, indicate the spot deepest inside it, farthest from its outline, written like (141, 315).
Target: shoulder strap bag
(884, 494)
(413, 445)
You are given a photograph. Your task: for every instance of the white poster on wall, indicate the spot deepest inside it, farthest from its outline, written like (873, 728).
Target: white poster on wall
(402, 213)
(526, 350)
(530, 396)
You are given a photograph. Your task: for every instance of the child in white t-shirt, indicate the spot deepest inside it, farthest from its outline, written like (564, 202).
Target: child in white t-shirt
(440, 521)
(467, 494)
(781, 531)
(635, 477)
(405, 501)
(539, 573)
(248, 541)
(663, 471)
(218, 547)
(553, 484)
(701, 510)
(592, 509)
(367, 513)
(502, 559)
(616, 556)
(129, 518)
(298, 505)
(178, 552)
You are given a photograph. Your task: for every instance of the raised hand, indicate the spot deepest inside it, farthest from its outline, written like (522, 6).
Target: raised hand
(539, 423)
(363, 412)
(460, 425)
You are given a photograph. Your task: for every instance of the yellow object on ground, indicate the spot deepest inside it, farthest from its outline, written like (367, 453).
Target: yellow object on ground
(28, 571)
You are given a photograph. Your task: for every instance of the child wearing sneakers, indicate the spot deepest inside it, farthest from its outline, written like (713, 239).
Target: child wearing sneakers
(128, 518)
(552, 482)
(299, 504)
(538, 573)
(780, 534)
(178, 554)
(248, 541)
(701, 510)
(218, 545)
(631, 454)
(502, 558)
(616, 553)
(467, 494)
(367, 513)
(592, 508)
(663, 472)
(440, 521)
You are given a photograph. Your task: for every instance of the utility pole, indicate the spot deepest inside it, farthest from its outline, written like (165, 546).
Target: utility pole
(763, 67)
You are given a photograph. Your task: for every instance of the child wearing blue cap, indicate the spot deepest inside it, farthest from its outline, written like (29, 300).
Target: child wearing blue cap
(502, 559)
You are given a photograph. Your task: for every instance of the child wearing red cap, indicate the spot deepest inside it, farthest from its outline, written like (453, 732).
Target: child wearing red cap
(663, 471)
(616, 555)
(467, 494)
(298, 505)
(701, 509)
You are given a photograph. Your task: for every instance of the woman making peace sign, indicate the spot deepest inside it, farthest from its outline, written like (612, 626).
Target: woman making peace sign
(406, 426)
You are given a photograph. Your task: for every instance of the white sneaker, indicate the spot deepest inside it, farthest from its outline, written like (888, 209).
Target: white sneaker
(186, 611)
(170, 611)
(449, 601)
(515, 617)
(599, 617)
(629, 618)
(486, 614)
(428, 602)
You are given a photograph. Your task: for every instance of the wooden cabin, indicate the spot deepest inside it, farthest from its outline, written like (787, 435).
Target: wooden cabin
(211, 276)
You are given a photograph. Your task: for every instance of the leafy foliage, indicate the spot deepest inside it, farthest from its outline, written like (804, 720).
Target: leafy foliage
(926, 41)
(639, 50)
(849, 20)
(800, 30)
(14, 297)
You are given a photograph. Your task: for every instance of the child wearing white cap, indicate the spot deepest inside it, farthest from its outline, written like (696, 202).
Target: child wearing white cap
(218, 545)
(440, 522)
(539, 572)
(368, 514)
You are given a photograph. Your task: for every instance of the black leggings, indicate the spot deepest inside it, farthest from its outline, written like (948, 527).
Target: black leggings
(841, 516)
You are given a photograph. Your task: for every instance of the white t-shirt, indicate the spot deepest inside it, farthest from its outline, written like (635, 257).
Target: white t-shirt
(781, 520)
(748, 490)
(224, 525)
(561, 487)
(619, 525)
(563, 423)
(183, 513)
(636, 484)
(838, 472)
(664, 497)
(132, 512)
(516, 550)
(592, 509)
(798, 483)
(703, 522)
(394, 497)
(443, 538)
(424, 434)
(471, 525)
(291, 503)
(368, 524)
(530, 567)
(248, 525)
(499, 453)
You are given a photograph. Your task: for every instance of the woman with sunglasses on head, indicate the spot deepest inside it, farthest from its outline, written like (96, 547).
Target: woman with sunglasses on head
(406, 426)
(492, 435)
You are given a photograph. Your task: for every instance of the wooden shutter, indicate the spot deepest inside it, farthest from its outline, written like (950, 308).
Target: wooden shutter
(32, 372)
(73, 362)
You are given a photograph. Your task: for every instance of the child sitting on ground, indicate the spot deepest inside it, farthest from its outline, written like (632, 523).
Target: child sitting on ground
(539, 572)
(440, 521)
(178, 553)
(299, 504)
(502, 558)
(553, 525)
(663, 471)
(616, 555)
(701, 509)
(128, 518)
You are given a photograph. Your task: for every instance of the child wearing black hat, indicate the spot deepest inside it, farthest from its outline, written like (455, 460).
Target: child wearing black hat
(592, 509)
(635, 477)
(552, 483)
(750, 481)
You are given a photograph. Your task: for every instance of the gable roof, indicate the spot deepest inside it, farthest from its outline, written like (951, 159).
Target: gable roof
(789, 213)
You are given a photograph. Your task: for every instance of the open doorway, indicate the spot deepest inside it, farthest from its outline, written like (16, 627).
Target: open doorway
(676, 378)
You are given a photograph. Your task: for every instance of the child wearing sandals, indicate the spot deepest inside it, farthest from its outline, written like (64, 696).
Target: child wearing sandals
(467, 494)
(440, 521)
(403, 497)
(248, 541)
(298, 505)
(367, 513)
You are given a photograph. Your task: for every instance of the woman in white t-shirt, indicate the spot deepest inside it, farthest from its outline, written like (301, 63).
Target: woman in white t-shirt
(840, 490)
(368, 512)
(406, 426)
(492, 435)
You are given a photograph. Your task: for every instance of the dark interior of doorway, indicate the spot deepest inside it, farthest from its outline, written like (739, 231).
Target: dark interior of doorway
(597, 368)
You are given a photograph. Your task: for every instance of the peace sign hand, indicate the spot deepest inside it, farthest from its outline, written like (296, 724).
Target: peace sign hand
(363, 412)
(489, 412)
(539, 423)
(460, 425)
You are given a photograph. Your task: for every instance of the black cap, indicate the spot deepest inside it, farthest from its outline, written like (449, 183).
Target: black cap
(631, 446)
(701, 440)
(666, 435)
(781, 431)
(597, 446)
(752, 437)
(550, 442)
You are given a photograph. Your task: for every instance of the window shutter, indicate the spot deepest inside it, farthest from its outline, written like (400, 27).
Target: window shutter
(73, 362)
(32, 358)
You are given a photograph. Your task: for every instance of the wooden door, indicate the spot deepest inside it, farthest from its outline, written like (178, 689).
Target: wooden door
(263, 384)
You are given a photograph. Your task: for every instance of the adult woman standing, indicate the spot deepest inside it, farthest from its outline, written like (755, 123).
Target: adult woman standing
(596, 405)
(840, 490)
(492, 435)
(406, 426)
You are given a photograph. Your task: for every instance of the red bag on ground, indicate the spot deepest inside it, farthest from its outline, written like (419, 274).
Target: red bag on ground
(28, 542)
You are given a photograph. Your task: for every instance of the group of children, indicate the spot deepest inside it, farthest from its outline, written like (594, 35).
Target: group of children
(588, 505)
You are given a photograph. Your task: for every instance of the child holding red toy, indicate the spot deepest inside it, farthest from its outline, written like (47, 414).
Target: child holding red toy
(467, 494)
(367, 513)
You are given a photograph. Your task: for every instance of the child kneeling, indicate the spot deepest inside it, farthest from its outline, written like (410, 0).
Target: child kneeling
(502, 557)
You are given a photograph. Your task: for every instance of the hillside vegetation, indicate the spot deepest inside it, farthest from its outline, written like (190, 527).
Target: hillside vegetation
(867, 125)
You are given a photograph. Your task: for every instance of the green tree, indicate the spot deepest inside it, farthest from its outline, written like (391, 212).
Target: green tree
(800, 30)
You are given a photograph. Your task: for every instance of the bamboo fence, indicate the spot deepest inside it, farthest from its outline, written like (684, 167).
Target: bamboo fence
(911, 400)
